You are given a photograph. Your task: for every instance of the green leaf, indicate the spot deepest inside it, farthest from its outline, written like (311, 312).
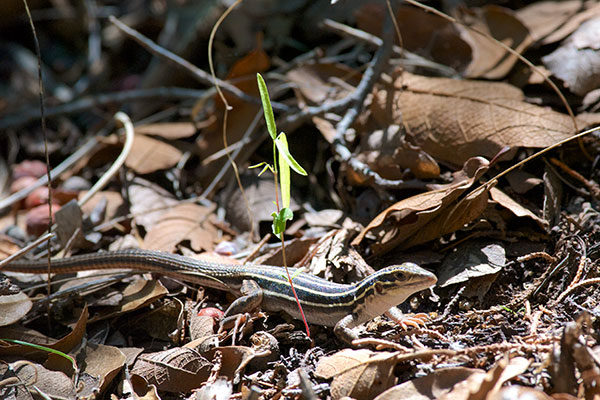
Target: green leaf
(284, 171)
(265, 167)
(279, 220)
(266, 104)
(283, 150)
(46, 349)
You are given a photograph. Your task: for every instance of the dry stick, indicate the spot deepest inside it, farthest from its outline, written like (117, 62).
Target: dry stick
(410, 58)
(38, 53)
(102, 99)
(365, 86)
(196, 72)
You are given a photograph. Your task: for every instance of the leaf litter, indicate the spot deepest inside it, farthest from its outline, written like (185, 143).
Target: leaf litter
(515, 309)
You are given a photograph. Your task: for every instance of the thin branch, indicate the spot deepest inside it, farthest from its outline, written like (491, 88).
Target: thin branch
(196, 72)
(88, 102)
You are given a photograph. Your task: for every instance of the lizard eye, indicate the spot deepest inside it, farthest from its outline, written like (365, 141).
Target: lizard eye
(399, 276)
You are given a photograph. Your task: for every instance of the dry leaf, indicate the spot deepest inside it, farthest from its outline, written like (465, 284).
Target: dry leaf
(149, 155)
(559, 20)
(389, 154)
(114, 202)
(318, 84)
(423, 33)
(431, 386)
(103, 363)
(426, 216)
(186, 221)
(65, 344)
(361, 374)
(470, 260)
(577, 61)
(167, 130)
(453, 120)
(175, 370)
(544, 17)
(235, 359)
(13, 307)
(149, 202)
(507, 202)
(54, 384)
(162, 320)
(478, 386)
(489, 59)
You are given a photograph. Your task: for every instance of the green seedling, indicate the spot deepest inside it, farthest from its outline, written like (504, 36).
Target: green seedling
(282, 163)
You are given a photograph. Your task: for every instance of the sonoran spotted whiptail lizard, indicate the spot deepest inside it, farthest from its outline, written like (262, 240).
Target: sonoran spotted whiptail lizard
(324, 303)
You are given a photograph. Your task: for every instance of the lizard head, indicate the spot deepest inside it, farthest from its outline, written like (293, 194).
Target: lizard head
(391, 286)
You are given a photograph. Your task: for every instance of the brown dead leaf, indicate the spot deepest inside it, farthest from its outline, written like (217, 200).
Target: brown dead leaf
(389, 154)
(453, 120)
(113, 203)
(318, 84)
(472, 259)
(54, 384)
(507, 202)
(361, 374)
(149, 155)
(577, 61)
(162, 320)
(167, 130)
(186, 221)
(544, 17)
(426, 216)
(175, 370)
(422, 33)
(551, 21)
(234, 361)
(66, 344)
(431, 386)
(103, 363)
(13, 307)
(490, 60)
(478, 386)
(149, 202)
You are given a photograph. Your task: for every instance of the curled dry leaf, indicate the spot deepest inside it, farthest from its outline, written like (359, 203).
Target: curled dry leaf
(490, 60)
(509, 203)
(65, 344)
(235, 359)
(361, 374)
(453, 120)
(175, 370)
(426, 216)
(13, 307)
